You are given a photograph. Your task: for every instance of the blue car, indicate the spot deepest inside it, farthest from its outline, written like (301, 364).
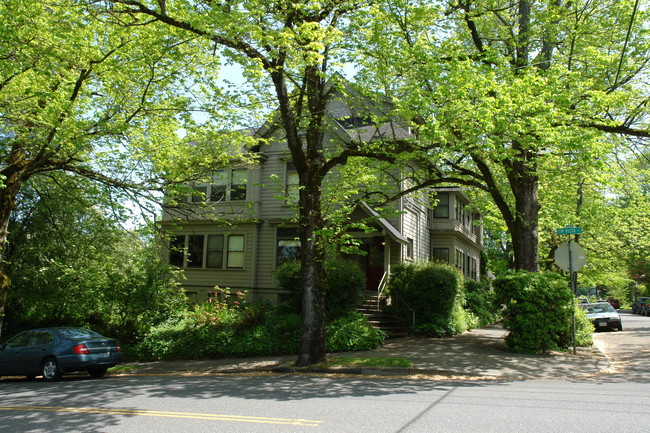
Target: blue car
(52, 352)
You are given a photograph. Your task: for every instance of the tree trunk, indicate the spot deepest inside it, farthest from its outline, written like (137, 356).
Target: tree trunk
(524, 183)
(312, 337)
(7, 204)
(8, 193)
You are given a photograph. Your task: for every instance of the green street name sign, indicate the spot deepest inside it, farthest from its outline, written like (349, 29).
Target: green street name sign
(569, 230)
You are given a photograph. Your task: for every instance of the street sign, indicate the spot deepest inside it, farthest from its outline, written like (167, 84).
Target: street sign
(569, 230)
(570, 256)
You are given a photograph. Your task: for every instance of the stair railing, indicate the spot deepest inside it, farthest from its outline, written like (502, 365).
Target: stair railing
(381, 287)
(407, 306)
(380, 290)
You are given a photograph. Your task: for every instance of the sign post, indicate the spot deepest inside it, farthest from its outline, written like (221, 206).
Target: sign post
(571, 257)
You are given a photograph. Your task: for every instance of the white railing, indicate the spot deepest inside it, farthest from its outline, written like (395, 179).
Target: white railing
(381, 287)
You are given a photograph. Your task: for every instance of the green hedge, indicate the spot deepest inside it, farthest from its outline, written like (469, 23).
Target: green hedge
(537, 313)
(435, 291)
(344, 281)
(208, 332)
(481, 301)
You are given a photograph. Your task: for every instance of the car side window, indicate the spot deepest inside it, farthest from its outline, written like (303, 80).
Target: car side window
(19, 340)
(39, 338)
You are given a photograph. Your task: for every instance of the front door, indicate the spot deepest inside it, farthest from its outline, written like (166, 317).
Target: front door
(374, 262)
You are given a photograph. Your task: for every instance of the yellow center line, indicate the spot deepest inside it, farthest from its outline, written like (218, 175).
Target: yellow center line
(186, 415)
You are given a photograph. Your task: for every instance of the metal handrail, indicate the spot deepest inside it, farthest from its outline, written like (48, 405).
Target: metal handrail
(381, 287)
(407, 306)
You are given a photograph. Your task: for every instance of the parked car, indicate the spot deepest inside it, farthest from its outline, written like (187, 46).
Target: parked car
(637, 305)
(644, 306)
(52, 352)
(603, 316)
(614, 302)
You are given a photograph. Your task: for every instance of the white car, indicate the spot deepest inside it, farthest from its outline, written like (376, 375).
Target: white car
(603, 315)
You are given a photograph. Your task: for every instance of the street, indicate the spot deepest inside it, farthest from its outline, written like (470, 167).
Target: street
(298, 403)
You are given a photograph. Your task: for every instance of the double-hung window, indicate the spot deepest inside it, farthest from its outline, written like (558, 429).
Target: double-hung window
(442, 208)
(216, 251)
(292, 182)
(288, 245)
(229, 185)
(226, 185)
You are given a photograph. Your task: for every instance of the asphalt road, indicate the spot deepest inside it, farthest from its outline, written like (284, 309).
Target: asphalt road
(295, 403)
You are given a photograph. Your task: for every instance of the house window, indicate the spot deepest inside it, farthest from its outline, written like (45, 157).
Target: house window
(208, 251)
(239, 178)
(226, 185)
(235, 251)
(442, 208)
(219, 186)
(409, 248)
(199, 193)
(441, 254)
(176, 251)
(195, 251)
(288, 245)
(214, 255)
(292, 182)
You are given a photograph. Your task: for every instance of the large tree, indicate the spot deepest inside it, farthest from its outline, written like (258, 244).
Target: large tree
(71, 263)
(506, 90)
(83, 97)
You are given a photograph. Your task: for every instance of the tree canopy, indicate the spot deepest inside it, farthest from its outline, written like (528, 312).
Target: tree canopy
(83, 96)
(509, 93)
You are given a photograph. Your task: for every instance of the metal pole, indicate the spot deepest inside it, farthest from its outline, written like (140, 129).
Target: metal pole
(573, 300)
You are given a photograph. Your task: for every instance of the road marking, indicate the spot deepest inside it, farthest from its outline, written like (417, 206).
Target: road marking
(188, 415)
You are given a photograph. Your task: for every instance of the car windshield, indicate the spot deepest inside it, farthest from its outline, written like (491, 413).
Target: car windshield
(597, 308)
(77, 333)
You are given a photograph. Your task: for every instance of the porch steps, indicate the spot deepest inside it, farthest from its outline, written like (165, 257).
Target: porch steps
(393, 326)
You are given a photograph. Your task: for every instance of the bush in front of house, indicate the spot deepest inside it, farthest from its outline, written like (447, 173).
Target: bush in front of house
(352, 331)
(344, 281)
(537, 314)
(435, 292)
(481, 302)
(212, 330)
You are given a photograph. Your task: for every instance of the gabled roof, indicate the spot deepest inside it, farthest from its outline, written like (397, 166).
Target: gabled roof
(350, 115)
(385, 225)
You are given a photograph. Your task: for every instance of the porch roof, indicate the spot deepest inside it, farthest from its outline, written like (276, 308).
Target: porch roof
(385, 225)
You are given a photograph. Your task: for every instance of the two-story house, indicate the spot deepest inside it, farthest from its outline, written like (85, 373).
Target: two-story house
(242, 249)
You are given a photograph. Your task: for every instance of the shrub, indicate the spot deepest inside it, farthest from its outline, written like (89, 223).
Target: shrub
(537, 312)
(209, 332)
(352, 332)
(435, 292)
(480, 301)
(344, 281)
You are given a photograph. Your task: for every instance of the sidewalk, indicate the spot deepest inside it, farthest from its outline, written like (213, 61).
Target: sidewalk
(477, 354)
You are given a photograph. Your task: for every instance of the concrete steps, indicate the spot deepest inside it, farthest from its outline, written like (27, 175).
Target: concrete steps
(395, 327)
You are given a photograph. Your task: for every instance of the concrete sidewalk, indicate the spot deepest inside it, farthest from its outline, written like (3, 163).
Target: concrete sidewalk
(478, 354)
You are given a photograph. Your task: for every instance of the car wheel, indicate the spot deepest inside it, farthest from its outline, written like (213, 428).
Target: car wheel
(97, 371)
(50, 370)
(620, 326)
